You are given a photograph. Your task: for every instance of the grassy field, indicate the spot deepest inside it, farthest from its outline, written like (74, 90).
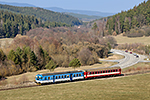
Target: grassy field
(139, 67)
(135, 87)
(122, 39)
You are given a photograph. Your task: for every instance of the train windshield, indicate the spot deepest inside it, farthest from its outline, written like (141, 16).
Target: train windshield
(38, 77)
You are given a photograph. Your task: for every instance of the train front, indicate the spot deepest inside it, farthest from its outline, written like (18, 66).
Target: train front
(38, 79)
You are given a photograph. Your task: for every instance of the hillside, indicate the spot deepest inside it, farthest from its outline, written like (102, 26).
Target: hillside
(43, 14)
(84, 18)
(84, 12)
(132, 19)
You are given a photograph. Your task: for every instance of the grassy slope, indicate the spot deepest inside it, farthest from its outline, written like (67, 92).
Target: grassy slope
(122, 39)
(135, 87)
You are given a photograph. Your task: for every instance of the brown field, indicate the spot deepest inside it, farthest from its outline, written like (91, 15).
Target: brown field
(135, 87)
(123, 39)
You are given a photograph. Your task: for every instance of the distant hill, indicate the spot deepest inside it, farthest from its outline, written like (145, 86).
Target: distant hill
(17, 4)
(43, 14)
(83, 15)
(84, 18)
(85, 12)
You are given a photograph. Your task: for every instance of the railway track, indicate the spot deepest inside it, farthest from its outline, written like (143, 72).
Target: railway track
(123, 75)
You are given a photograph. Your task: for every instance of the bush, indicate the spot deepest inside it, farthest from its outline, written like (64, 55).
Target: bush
(135, 35)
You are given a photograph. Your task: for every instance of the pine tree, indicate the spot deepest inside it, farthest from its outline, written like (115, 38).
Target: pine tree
(126, 26)
(75, 63)
(51, 65)
(2, 55)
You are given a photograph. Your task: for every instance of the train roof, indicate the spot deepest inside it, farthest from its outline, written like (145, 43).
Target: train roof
(102, 68)
(61, 73)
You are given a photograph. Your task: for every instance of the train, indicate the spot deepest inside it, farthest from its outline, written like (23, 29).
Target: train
(76, 75)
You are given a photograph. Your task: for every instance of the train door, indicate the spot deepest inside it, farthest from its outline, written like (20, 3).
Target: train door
(70, 77)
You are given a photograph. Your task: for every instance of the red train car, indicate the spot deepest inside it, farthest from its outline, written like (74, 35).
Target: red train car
(105, 71)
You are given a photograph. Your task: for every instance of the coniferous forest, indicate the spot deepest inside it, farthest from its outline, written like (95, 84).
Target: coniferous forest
(43, 14)
(133, 23)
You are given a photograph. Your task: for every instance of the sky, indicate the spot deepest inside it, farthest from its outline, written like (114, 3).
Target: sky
(109, 6)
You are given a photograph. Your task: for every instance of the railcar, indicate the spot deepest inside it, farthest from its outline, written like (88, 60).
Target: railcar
(105, 71)
(59, 77)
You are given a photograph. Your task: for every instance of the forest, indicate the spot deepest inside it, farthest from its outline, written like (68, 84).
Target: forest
(61, 45)
(13, 24)
(132, 23)
(43, 14)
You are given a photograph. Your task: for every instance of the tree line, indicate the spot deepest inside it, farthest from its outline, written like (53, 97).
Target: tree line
(127, 20)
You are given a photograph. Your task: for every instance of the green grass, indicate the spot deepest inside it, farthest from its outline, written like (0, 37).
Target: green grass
(135, 87)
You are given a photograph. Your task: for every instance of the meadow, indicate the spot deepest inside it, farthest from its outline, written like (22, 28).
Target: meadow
(134, 87)
(123, 39)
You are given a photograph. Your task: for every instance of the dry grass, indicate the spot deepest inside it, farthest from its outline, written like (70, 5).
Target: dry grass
(112, 56)
(123, 39)
(135, 87)
(140, 67)
(31, 75)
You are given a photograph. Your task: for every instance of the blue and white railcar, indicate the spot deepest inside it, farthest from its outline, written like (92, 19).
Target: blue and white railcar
(59, 77)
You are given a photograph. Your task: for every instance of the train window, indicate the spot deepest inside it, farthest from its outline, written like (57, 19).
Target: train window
(49, 78)
(65, 76)
(74, 75)
(103, 71)
(90, 72)
(56, 77)
(79, 74)
(109, 71)
(116, 70)
(59, 76)
(106, 71)
(62, 76)
(45, 78)
(95, 72)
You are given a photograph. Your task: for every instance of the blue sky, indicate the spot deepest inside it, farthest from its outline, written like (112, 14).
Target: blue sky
(112, 6)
